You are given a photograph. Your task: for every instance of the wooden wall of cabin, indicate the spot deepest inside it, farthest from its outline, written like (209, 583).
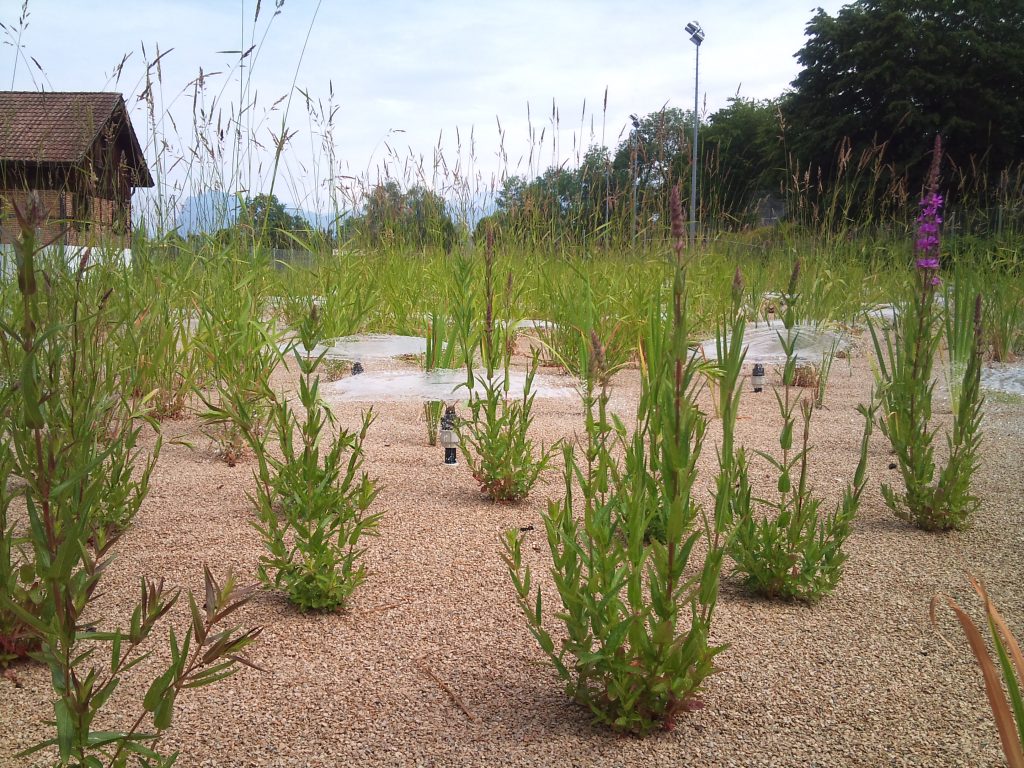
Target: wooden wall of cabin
(80, 218)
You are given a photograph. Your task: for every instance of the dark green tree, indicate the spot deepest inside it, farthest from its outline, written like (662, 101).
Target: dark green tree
(561, 203)
(594, 195)
(657, 156)
(901, 71)
(743, 158)
(415, 218)
(271, 223)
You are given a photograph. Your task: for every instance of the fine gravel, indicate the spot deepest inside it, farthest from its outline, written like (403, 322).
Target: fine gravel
(433, 665)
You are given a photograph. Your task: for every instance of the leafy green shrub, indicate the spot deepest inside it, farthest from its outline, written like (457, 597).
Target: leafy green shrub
(636, 612)
(313, 501)
(495, 439)
(74, 449)
(905, 357)
(792, 552)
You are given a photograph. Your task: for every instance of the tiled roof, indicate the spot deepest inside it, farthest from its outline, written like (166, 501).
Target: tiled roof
(59, 127)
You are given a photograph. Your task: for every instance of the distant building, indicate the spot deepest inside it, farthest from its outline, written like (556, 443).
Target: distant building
(79, 153)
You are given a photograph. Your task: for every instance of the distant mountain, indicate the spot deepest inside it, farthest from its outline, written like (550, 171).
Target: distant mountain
(207, 212)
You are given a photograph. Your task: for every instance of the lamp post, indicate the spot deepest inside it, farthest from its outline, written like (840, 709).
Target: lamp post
(636, 128)
(696, 33)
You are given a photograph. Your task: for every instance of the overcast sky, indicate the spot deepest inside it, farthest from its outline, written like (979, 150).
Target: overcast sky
(407, 75)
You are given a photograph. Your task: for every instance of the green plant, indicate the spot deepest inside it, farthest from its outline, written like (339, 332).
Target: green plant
(1004, 318)
(905, 392)
(958, 317)
(958, 322)
(74, 449)
(495, 439)
(242, 350)
(793, 552)
(577, 310)
(637, 612)
(1011, 664)
(312, 502)
(17, 571)
(154, 337)
(824, 372)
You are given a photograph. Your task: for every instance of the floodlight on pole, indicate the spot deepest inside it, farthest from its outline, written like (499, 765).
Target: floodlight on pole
(696, 33)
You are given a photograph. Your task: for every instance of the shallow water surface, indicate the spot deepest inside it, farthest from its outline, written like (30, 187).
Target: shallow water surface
(441, 384)
(764, 345)
(1003, 377)
(369, 346)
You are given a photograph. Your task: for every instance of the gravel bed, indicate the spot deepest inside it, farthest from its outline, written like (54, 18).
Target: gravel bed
(432, 665)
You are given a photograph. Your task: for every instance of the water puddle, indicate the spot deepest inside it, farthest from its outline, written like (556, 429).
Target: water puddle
(442, 384)
(764, 346)
(368, 346)
(1003, 377)
(883, 313)
(536, 325)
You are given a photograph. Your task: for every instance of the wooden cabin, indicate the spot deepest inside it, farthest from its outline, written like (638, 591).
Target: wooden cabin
(79, 154)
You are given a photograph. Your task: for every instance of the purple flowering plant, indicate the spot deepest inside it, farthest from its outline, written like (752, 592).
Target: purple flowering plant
(927, 245)
(906, 355)
(929, 222)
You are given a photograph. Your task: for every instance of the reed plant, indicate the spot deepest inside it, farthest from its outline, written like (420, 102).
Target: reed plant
(17, 570)
(578, 309)
(440, 353)
(1003, 318)
(241, 349)
(343, 293)
(156, 337)
(905, 357)
(958, 292)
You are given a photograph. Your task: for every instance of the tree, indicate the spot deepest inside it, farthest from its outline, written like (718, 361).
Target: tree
(271, 223)
(561, 202)
(743, 156)
(655, 156)
(902, 71)
(416, 218)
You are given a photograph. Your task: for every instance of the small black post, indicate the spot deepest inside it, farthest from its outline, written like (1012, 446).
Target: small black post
(448, 437)
(757, 379)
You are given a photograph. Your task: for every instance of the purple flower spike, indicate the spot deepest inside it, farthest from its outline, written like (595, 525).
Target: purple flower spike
(926, 247)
